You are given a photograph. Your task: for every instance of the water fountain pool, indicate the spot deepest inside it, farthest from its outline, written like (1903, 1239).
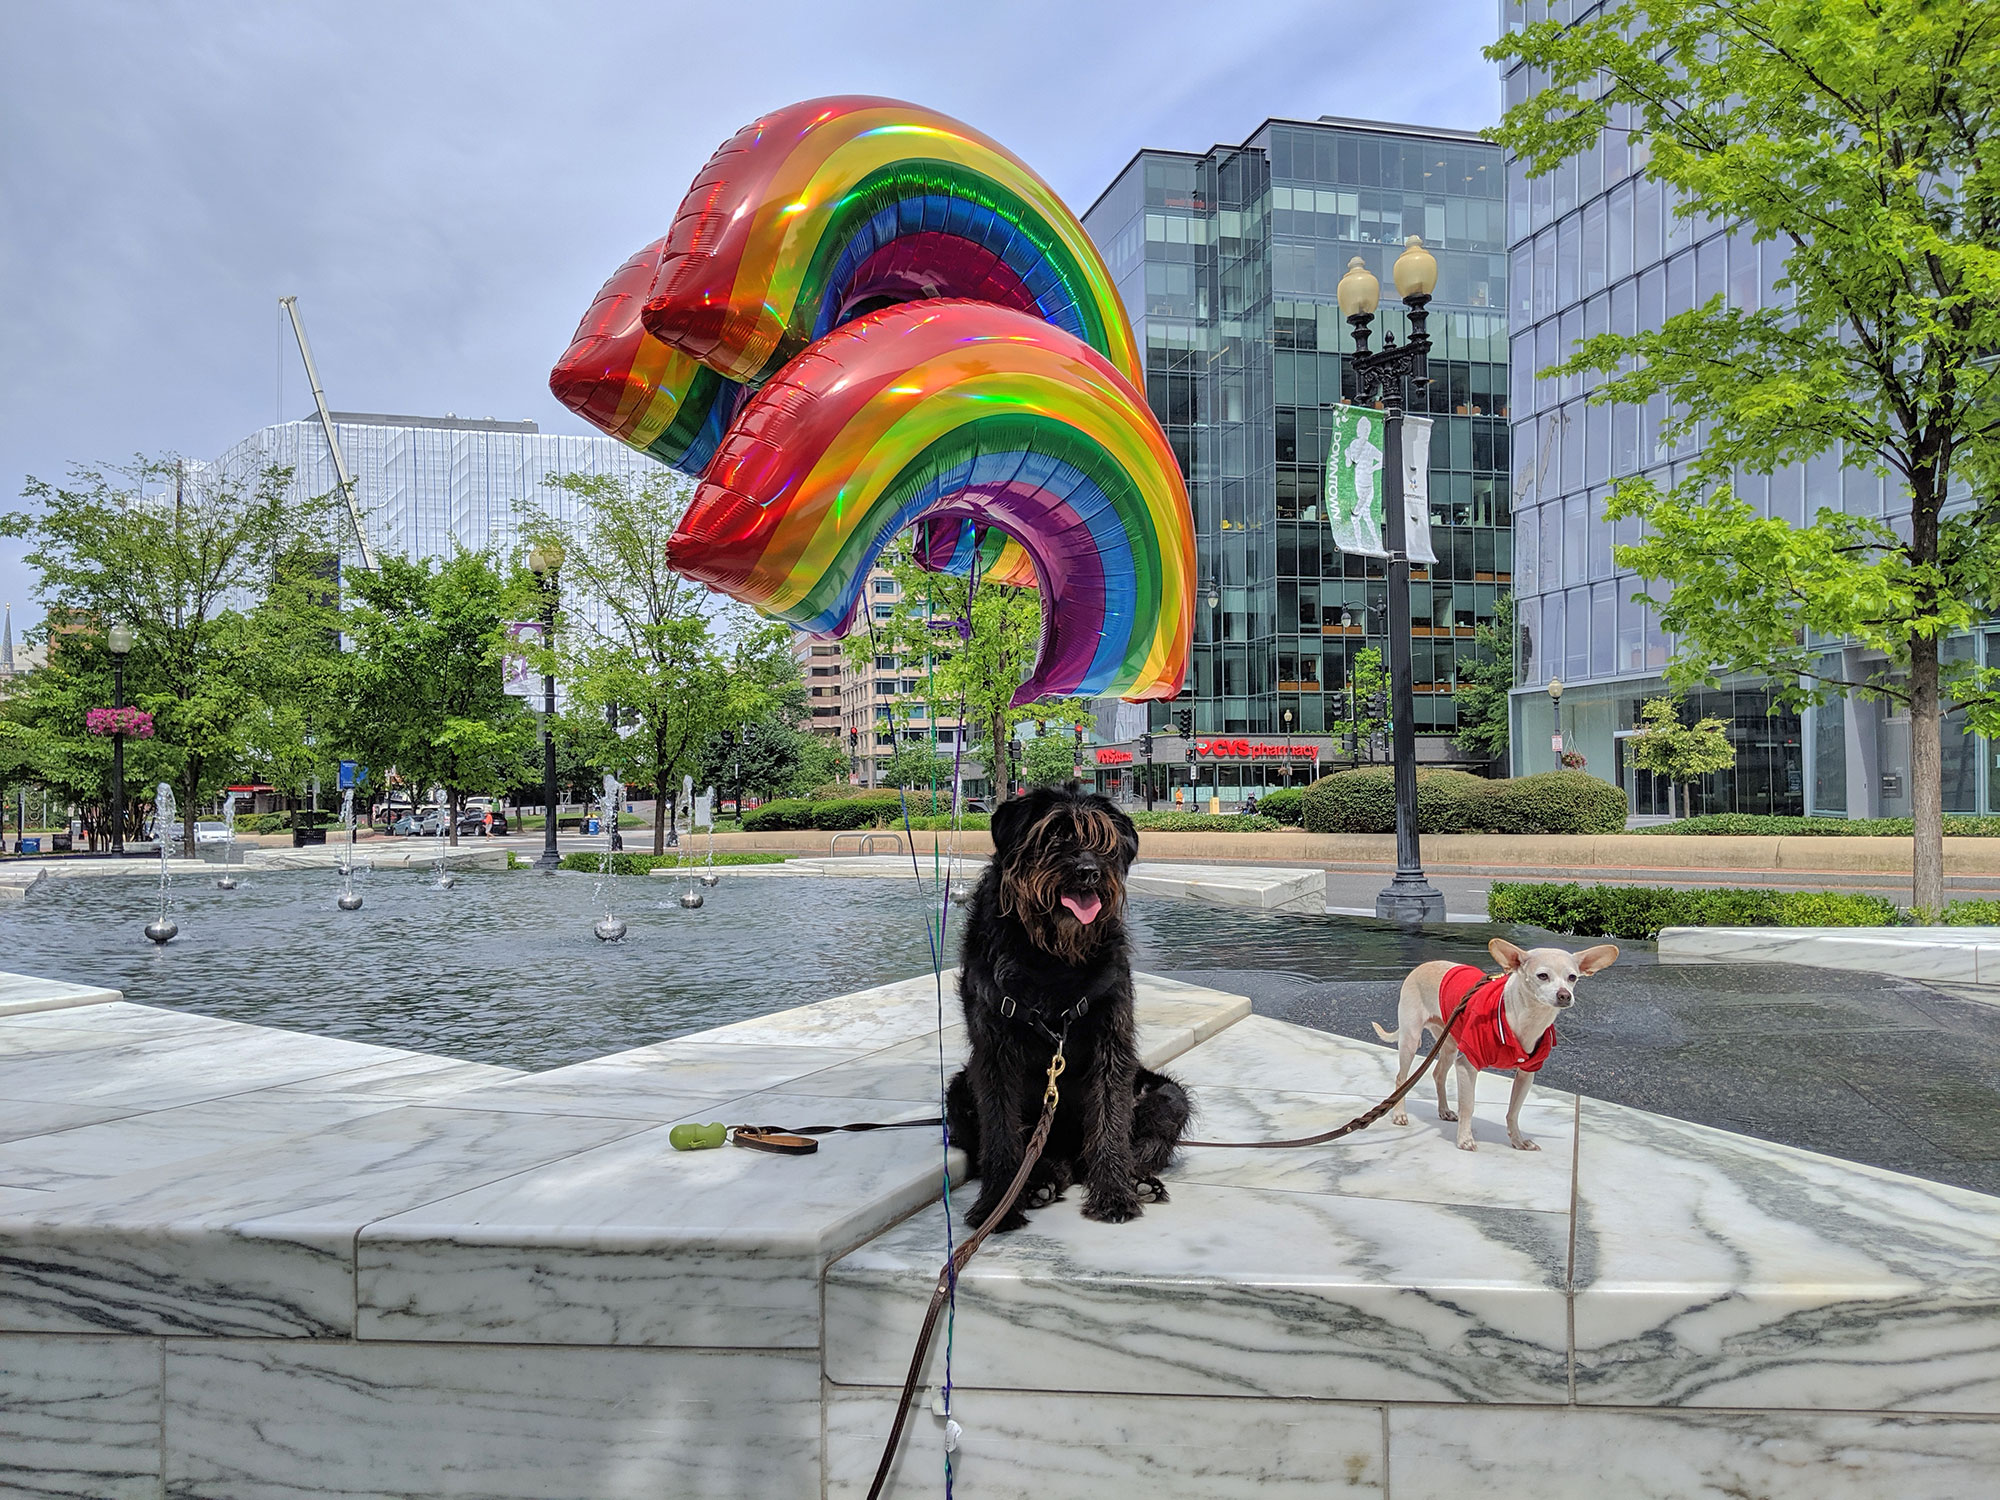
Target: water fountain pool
(506, 967)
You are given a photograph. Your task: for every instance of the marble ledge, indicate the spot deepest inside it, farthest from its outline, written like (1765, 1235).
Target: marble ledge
(80, 1417)
(23, 994)
(1953, 955)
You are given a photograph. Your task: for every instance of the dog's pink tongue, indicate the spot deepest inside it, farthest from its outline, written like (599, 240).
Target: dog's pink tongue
(1084, 908)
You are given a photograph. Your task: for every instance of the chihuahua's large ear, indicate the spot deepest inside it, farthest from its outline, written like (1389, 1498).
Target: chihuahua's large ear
(1603, 956)
(1505, 954)
(1009, 819)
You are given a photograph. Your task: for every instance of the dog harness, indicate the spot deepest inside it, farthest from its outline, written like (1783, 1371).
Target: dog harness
(1040, 1019)
(1483, 1036)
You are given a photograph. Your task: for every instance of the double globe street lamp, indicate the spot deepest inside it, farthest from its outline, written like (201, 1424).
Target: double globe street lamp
(545, 560)
(1409, 898)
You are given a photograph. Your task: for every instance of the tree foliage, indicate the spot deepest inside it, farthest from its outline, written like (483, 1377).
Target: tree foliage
(1050, 760)
(1856, 135)
(176, 552)
(1680, 753)
(425, 677)
(1481, 695)
(651, 642)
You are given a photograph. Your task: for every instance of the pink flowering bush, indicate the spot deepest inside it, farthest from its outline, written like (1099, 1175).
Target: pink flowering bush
(135, 722)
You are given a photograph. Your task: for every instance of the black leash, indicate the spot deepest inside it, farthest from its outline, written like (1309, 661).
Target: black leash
(1359, 1122)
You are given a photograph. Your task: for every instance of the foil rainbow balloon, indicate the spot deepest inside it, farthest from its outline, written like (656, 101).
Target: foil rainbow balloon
(867, 319)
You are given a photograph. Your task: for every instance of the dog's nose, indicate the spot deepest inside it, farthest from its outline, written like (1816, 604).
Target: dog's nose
(1563, 997)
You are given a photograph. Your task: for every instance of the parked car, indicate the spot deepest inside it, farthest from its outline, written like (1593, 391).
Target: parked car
(409, 823)
(210, 833)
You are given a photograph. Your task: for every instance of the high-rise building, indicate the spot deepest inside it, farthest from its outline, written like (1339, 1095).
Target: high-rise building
(1227, 261)
(1596, 246)
(428, 484)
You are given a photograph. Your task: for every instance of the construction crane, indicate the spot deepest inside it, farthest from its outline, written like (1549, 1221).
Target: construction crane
(346, 480)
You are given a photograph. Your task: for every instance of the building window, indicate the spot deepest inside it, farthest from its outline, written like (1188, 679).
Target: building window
(884, 611)
(885, 585)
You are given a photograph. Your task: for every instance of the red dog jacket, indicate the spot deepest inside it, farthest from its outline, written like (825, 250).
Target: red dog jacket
(1482, 1033)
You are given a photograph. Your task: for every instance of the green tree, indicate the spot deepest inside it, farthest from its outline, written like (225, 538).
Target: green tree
(966, 675)
(1367, 695)
(1050, 759)
(648, 640)
(1481, 695)
(1681, 753)
(1856, 136)
(916, 766)
(175, 551)
(43, 735)
(298, 681)
(769, 758)
(427, 699)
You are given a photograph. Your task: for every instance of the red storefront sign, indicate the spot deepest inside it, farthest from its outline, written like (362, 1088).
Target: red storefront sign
(1253, 750)
(1114, 757)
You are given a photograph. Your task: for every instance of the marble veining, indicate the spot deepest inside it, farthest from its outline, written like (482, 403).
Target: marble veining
(1713, 1270)
(1059, 1447)
(1229, 1291)
(1440, 1453)
(79, 1418)
(251, 1420)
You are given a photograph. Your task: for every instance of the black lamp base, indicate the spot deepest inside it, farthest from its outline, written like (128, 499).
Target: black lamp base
(1411, 901)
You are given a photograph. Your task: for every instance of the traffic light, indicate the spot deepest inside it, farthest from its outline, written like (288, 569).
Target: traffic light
(1184, 721)
(1146, 746)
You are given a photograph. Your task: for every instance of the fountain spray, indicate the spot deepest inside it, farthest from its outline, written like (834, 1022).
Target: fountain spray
(609, 928)
(349, 898)
(691, 898)
(704, 817)
(226, 881)
(160, 930)
(444, 880)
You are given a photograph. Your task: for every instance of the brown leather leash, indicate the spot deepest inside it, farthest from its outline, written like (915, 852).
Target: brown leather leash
(1359, 1122)
(948, 1277)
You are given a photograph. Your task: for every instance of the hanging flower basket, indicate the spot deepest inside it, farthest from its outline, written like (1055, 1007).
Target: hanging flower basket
(135, 722)
(1572, 760)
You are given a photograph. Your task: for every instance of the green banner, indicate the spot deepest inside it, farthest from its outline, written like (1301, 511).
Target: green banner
(1354, 483)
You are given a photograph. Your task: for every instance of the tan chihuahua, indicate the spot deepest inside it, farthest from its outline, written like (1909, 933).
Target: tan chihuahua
(1510, 1023)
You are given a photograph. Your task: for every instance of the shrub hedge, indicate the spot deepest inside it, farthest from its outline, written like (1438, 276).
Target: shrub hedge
(639, 864)
(1187, 822)
(779, 816)
(1760, 825)
(1364, 801)
(1641, 911)
(1287, 804)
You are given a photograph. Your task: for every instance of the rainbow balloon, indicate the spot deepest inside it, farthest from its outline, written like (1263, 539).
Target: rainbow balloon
(625, 382)
(958, 412)
(867, 318)
(828, 209)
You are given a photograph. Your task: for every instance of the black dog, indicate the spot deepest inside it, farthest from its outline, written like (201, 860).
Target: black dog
(1046, 956)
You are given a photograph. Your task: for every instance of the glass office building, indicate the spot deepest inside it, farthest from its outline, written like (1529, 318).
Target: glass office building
(1227, 262)
(1596, 246)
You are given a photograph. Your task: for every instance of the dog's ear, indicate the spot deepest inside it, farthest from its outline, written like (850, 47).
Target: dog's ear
(1506, 954)
(1603, 956)
(1008, 821)
(1128, 833)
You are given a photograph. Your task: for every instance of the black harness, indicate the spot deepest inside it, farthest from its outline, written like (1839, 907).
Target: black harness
(1055, 1027)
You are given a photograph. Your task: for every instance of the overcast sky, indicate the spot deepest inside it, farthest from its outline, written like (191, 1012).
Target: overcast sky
(444, 186)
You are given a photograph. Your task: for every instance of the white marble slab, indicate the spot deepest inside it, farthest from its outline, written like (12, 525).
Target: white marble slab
(636, 1243)
(255, 1240)
(1439, 1453)
(864, 1021)
(1228, 1291)
(1064, 1447)
(79, 1418)
(1416, 1163)
(1254, 887)
(1717, 1271)
(248, 1420)
(1950, 954)
(658, 1083)
(21, 994)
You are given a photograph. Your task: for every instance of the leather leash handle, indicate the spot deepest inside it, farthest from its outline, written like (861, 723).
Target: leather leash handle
(770, 1138)
(948, 1277)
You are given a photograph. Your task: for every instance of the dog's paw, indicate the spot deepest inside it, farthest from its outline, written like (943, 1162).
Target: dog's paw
(1042, 1194)
(1447, 1115)
(1467, 1143)
(1399, 1118)
(1522, 1143)
(1150, 1189)
(1113, 1209)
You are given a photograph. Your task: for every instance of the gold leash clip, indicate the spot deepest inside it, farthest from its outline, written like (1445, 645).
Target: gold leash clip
(1050, 1096)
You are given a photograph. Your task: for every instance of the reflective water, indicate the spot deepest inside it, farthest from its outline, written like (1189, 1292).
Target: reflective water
(504, 968)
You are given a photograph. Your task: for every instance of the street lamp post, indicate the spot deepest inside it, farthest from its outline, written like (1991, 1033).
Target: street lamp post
(1409, 898)
(119, 639)
(1288, 747)
(545, 562)
(1556, 709)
